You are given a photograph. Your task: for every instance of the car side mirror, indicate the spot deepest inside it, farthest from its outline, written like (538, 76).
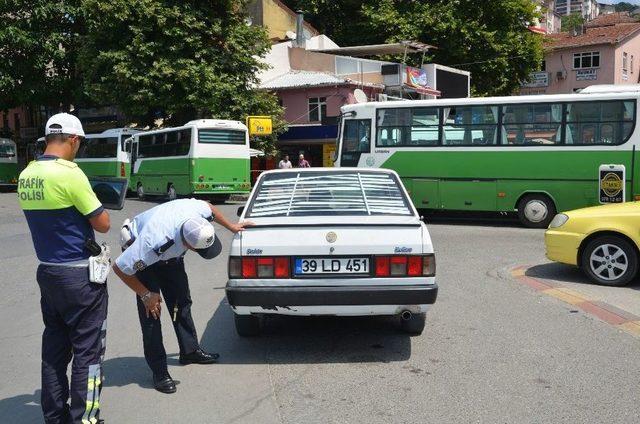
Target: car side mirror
(110, 191)
(240, 210)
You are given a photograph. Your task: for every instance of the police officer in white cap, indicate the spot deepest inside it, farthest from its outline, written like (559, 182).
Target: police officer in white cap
(154, 245)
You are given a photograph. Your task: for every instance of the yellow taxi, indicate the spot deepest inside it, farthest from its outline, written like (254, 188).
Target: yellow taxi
(602, 240)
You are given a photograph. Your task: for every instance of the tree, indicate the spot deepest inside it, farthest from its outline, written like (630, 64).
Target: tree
(38, 50)
(625, 7)
(569, 22)
(171, 59)
(174, 59)
(490, 39)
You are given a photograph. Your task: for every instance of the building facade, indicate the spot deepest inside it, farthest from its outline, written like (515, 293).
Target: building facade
(605, 51)
(589, 9)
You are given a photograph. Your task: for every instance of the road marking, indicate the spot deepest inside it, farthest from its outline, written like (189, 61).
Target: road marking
(610, 314)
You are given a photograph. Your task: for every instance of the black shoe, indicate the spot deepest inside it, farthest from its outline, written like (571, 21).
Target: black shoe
(199, 357)
(164, 383)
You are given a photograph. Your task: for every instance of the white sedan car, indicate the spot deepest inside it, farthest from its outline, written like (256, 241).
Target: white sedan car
(341, 241)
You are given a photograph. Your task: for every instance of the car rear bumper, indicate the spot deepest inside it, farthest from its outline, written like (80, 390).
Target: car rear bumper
(562, 246)
(271, 298)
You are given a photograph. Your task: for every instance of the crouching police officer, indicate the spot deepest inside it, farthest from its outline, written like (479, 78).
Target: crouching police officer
(153, 261)
(62, 211)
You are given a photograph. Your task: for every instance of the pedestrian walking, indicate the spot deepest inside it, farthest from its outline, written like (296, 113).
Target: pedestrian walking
(62, 212)
(302, 162)
(285, 163)
(152, 262)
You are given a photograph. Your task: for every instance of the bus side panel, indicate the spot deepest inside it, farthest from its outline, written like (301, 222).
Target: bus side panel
(8, 173)
(568, 176)
(220, 175)
(108, 168)
(425, 194)
(156, 175)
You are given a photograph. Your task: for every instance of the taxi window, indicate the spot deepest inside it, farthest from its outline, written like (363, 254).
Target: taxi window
(322, 194)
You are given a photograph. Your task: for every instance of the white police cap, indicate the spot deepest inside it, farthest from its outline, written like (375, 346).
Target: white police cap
(64, 123)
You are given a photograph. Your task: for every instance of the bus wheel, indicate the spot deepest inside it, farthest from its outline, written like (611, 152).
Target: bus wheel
(609, 260)
(536, 211)
(140, 191)
(171, 193)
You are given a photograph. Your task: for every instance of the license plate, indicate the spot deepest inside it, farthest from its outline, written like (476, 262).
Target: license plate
(306, 266)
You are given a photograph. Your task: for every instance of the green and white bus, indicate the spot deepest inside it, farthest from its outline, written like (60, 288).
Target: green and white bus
(208, 157)
(105, 154)
(531, 154)
(8, 163)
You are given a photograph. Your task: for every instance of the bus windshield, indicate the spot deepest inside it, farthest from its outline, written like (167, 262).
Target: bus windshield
(99, 147)
(356, 139)
(7, 150)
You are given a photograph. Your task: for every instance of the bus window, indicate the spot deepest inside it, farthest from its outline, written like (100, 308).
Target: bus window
(408, 127)
(470, 125)
(425, 127)
(356, 139)
(539, 123)
(102, 147)
(603, 122)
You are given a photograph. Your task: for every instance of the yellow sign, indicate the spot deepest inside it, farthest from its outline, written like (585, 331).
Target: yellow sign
(327, 154)
(611, 184)
(259, 125)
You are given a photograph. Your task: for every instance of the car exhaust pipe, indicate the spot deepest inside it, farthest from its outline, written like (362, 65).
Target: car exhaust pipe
(406, 315)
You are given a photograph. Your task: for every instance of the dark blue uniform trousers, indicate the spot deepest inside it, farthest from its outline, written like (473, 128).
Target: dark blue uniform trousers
(74, 311)
(170, 278)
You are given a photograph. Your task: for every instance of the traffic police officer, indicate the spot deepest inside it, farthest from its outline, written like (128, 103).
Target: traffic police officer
(62, 211)
(153, 261)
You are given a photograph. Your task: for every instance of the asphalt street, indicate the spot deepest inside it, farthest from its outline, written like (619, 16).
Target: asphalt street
(493, 351)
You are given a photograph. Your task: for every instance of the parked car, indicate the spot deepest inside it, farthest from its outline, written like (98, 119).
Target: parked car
(345, 242)
(602, 240)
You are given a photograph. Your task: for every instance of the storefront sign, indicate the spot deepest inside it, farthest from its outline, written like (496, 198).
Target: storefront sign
(611, 183)
(537, 79)
(586, 74)
(259, 125)
(416, 77)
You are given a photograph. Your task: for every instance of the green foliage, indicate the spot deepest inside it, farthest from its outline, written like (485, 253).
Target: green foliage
(569, 22)
(38, 50)
(625, 7)
(178, 60)
(488, 38)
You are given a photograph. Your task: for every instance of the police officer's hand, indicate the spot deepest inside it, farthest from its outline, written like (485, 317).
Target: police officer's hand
(152, 305)
(235, 228)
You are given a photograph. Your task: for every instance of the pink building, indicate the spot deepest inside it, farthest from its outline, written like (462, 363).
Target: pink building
(605, 51)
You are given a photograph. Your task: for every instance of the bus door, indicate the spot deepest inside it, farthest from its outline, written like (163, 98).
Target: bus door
(356, 140)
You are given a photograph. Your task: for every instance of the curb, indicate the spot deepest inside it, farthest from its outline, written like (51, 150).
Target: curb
(610, 314)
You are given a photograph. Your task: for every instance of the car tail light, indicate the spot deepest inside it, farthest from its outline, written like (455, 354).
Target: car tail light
(259, 267)
(249, 267)
(398, 266)
(405, 266)
(414, 266)
(429, 266)
(282, 267)
(235, 267)
(382, 266)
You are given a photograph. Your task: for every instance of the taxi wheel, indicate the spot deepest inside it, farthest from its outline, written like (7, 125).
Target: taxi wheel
(413, 325)
(171, 193)
(610, 261)
(247, 325)
(140, 191)
(536, 211)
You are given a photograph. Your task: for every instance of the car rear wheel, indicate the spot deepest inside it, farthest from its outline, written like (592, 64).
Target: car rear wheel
(140, 191)
(536, 211)
(171, 193)
(414, 324)
(247, 325)
(610, 261)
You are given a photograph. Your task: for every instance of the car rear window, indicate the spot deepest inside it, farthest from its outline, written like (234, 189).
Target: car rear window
(328, 193)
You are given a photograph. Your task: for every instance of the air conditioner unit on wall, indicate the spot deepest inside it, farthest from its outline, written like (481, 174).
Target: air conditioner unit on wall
(561, 75)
